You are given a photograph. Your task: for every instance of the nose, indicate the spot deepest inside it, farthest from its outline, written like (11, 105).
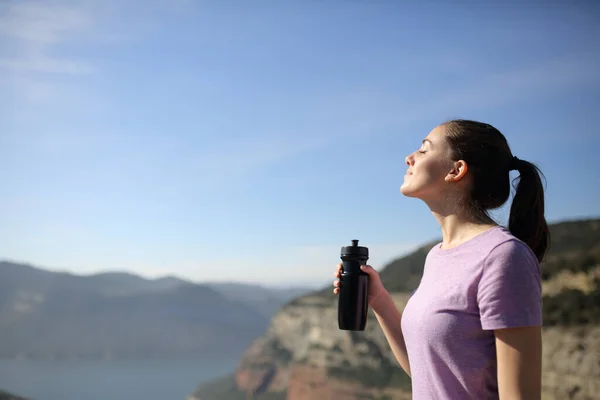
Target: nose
(409, 160)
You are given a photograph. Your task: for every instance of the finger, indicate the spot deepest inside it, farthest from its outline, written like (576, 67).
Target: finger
(368, 269)
(339, 266)
(336, 291)
(336, 283)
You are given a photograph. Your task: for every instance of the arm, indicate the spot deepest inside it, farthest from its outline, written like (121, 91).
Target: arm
(389, 319)
(519, 352)
(509, 297)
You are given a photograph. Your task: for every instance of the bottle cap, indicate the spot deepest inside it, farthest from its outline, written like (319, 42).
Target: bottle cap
(355, 250)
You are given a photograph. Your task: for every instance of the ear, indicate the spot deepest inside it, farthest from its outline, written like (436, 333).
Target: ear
(458, 171)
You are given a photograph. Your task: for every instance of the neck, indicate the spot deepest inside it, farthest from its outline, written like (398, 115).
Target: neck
(457, 226)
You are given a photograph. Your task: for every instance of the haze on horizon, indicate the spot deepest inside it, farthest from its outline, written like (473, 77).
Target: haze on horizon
(249, 142)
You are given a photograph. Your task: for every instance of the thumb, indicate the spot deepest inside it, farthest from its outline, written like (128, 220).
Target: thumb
(369, 270)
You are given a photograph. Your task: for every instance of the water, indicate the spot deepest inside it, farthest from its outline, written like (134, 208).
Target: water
(114, 380)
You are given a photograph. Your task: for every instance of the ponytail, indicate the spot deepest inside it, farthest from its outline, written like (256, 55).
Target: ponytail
(486, 151)
(527, 221)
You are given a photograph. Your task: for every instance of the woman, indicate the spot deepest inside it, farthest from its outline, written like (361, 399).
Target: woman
(472, 329)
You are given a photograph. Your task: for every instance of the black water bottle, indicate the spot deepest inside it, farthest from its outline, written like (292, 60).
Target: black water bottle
(354, 284)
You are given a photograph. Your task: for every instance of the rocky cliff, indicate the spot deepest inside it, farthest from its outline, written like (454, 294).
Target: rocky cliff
(303, 355)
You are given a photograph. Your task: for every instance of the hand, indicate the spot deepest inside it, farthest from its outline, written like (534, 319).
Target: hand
(375, 289)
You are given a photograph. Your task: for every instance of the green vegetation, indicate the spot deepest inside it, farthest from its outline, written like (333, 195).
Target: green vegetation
(387, 374)
(278, 352)
(404, 274)
(337, 349)
(575, 247)
(572, 307)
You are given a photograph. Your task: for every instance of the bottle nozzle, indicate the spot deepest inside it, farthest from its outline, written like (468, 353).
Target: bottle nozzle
(354, 250)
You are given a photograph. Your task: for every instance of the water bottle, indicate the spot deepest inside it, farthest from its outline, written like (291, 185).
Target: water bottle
(354, 284)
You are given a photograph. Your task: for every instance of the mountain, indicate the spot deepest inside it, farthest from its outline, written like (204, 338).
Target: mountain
(109, 283)
(9, 396)
(303, 355)
(265, 300)
(46, 314)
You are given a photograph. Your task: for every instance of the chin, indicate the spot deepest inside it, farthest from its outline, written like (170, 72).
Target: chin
(406, 191)
(409, 191)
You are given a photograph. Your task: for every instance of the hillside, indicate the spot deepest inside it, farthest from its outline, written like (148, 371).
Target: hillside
(9, 396)
(120, 315)
(303, 355)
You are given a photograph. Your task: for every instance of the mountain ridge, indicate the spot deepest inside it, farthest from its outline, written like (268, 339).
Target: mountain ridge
(114, 314)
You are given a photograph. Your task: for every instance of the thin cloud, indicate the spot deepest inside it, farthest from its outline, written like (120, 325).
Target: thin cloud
(43, 22)
(38, 38)
(47, 65)
(32, 32)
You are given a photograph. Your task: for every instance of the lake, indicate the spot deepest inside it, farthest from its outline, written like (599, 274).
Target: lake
(115, 380)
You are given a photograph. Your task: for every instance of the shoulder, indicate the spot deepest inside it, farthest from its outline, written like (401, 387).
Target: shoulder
(506, 246)
(509, 290)
(511, 260)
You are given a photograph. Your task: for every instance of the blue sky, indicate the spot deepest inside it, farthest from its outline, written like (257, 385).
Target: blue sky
(249, 141)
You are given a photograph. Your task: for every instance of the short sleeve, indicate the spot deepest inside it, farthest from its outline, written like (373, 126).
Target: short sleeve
(509, 293)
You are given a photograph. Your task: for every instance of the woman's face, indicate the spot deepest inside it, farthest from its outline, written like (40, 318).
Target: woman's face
(429, 168)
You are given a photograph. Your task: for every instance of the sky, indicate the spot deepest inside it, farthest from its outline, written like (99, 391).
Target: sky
(249, 141)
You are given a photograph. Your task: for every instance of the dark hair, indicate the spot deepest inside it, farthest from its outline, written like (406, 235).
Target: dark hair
(489, 160)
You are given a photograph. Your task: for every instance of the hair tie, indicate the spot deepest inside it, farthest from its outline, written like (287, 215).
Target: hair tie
(514, 163)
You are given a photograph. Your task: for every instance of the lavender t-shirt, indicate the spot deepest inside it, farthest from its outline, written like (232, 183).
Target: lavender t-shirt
(489, 282)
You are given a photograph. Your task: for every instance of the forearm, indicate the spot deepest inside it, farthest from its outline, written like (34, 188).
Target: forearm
(389, 319)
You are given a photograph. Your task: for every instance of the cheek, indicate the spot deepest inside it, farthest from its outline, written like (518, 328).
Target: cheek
(432, 170)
